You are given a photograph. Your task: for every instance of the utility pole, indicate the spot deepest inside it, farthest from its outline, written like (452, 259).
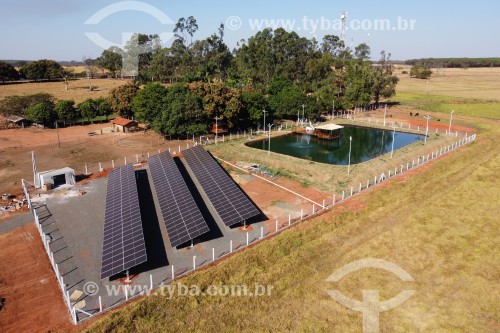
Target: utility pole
(264, 128)
(57, 130)
(393, 136)
(451, 118)
(269, 145)
(349, 164)
(217, 129)
(426, 129)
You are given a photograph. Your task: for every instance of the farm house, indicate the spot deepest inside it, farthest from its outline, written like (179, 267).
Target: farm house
(124, 125)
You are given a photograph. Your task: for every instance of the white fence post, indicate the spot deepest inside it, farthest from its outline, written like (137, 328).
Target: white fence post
(276, 225)
(289, 219)
(173, 273)
(194, 263)
(261, 232)
(100, 304)
(213, 254)
(231, 246)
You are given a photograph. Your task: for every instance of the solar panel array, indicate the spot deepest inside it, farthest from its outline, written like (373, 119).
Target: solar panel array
(181, 215)
(229, 201)
(123, 243)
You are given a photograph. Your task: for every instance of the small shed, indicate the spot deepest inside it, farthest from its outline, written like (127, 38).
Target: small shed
(15, 121)
(124, 125)
(53, 178)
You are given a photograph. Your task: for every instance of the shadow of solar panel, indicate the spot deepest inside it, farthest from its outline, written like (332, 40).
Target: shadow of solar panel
(181, 215)
(123, 243)
(232, 205)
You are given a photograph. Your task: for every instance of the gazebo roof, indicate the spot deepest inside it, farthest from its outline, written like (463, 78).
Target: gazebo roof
(329, 127)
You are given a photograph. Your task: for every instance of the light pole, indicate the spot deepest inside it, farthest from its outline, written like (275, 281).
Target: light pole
(385, 112)
(217, 129)
(333, 109)
(303, 106)
(426, 129)
(451, 118)
(349, 163)
(269, 144)
(264, 128)
(393, 136)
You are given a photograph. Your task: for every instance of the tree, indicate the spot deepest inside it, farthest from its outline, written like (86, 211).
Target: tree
(384, 82)
(111, 60)
(254, 103)
(286, 103)
(88, 109)
(420, 71)
(139, 51)
(149, 102)
(182, 113)
(120, 99)
(41, 69)
(104, 107)
(362, 52)
(65, 110)
(219, 100)
(42, 113)
(18, 105)
(183, 27)
(7, 72)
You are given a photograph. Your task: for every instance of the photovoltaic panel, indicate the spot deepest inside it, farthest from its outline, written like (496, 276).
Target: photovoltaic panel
(181, 215)
(123, 243)
(232, 205)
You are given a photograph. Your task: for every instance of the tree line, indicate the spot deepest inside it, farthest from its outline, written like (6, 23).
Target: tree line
(43, 109)
(180, 89)
(455, 62)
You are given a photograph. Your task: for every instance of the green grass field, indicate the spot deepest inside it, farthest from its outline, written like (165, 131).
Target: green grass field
(439, 223)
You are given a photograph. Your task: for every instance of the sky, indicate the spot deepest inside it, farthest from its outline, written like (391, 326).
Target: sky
(73, 29)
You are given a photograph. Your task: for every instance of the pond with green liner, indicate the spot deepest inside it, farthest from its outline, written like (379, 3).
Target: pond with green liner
(367, 143)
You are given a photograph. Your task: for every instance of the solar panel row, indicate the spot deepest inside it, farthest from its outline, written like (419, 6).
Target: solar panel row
(180, 213)
(123, 243)
(228, 199)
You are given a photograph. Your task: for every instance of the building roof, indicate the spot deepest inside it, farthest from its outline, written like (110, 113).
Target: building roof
(122, 121)
(329, 127)
(52, 173)
(14, 119)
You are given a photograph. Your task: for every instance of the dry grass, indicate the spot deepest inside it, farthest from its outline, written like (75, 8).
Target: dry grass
(78, 89)
(473, 83)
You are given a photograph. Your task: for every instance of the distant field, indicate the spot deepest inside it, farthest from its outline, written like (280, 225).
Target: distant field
(473, 91)
(78, 90)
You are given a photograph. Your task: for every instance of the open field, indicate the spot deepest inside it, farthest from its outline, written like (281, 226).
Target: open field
(473, 91)
(78, 90)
